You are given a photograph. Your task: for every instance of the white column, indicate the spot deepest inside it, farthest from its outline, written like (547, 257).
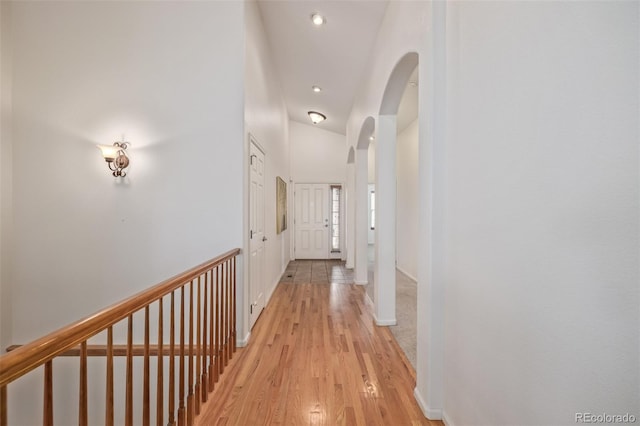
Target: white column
(385, 266)
(362, 214)
(429, 391)
(351, 215)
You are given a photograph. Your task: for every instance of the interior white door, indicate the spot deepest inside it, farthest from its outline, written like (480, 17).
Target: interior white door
(312, 221)
(257, 236)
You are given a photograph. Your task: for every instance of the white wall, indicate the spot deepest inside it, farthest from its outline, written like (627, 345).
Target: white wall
(317, 155)
(407, 200)
(542, 310)
(371, 164)
(408, 27)
(169, 76)
(5, 173)
(266, 119)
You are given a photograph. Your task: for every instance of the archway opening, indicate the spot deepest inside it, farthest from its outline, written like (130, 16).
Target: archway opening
(386, 190)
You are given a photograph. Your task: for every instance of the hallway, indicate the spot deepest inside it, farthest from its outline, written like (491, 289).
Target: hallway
(315, 357)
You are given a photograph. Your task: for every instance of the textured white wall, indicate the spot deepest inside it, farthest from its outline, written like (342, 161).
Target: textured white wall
(167, 75)
(407, 200)
(5, 173)
(267, 120)
(317, 155)
(542, 310)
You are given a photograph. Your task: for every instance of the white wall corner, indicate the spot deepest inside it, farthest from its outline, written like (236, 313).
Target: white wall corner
(243, 342)
(430, 413)
(445, 419)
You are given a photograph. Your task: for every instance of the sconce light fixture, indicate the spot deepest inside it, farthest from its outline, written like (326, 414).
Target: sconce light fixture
(116, 157)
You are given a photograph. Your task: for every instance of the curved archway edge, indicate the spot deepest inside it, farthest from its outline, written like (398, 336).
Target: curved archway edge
(397, 82)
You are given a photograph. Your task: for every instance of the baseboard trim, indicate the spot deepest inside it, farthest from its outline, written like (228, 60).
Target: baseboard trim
(241, 343)
(430, 413)
(411, 277)
(368, 300)
(386, 322)
(445, 419)
(361, 282)
(274, 285)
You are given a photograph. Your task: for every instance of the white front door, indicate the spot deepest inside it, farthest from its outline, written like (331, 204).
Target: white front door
(256, 233)
(312, 221)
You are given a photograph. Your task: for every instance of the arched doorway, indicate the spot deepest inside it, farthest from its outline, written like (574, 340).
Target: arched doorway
(385, 184)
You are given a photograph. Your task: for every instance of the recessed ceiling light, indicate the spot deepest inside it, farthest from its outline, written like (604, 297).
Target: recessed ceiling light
(371, 137)
(316, 89)
(317, 19)
(316, 117)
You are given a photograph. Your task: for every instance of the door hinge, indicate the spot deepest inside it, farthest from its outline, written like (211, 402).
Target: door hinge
(251, 159)
(251, 308)
(251, 234)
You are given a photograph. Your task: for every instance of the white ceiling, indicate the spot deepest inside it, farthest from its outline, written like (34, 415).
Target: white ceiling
(333, 56)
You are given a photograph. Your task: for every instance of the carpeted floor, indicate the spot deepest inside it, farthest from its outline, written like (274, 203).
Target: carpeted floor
(405, 330)
(406, 314)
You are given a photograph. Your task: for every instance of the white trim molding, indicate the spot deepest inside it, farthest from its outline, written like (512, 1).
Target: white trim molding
(368, 300)
(430, 413)
(361, 282)
(445, 419)
(408, 275)
(241, 343)
(385, 323)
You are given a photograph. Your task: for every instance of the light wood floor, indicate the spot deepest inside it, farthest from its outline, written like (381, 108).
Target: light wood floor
(316, 358)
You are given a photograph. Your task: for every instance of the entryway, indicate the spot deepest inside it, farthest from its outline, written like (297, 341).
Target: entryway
(318, 221)
(317, 272)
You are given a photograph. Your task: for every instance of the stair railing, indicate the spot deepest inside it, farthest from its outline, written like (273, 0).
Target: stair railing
(197, 354)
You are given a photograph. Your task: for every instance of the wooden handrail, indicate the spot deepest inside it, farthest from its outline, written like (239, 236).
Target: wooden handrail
(32, 355)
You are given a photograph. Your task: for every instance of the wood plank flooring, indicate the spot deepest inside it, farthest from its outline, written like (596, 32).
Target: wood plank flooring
(316, 358)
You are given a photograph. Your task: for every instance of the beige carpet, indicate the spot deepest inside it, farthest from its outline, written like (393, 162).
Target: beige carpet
(405, 330)
(406, 315)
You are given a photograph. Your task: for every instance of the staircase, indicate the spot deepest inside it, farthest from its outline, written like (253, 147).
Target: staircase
(183, 329)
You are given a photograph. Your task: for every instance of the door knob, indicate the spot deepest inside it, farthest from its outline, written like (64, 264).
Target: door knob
(264, 238)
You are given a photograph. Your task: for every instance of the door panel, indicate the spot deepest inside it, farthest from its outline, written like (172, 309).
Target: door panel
(256, 234)
(311, 221)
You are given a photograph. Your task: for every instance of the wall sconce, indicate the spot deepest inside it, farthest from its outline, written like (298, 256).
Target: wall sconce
(116, 157)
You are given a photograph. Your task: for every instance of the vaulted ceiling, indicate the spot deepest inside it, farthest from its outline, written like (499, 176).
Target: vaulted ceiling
(333, 56)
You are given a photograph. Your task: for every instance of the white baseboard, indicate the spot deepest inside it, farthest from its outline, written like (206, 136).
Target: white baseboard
(361, 282)
(445, 419)
(274, 285)
(379, 322)
(430, 413)
(407, 274)
(386, 322)
(241, 343)
(368, 300)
